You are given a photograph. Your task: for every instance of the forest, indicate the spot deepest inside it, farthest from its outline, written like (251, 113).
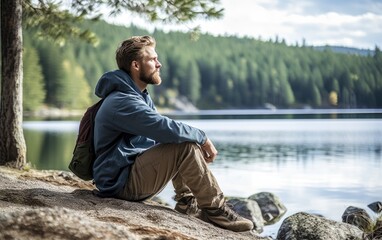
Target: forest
(212, 72)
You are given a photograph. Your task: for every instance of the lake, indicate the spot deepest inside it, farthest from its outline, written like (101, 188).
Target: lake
(316, 165)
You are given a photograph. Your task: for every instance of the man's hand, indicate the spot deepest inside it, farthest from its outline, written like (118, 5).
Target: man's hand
(209, 151)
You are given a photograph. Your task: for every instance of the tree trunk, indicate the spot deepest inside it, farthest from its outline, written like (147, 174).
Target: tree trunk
(12, 143)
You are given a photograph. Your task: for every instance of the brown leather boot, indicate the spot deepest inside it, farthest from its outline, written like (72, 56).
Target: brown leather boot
(188, 205)
(225, 217)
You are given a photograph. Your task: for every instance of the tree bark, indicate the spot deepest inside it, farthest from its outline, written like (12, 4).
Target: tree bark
(12, 143)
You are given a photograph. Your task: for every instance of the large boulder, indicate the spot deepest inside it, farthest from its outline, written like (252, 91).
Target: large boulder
(49, 205)
(57, 223)
(272, 208)
(372, 226)
(311, 227)
(248, 209)
(358, 217)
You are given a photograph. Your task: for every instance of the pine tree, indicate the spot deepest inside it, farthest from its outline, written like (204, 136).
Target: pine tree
(51, 60)
(33, 84)
(75, 94)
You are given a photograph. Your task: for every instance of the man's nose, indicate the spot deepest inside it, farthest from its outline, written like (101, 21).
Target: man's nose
(158, 64)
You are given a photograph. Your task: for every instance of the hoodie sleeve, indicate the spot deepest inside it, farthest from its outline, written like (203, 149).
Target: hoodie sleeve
(133, 115)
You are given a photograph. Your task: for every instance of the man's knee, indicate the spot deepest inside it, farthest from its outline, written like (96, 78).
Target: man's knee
(189, 146)
(191, 153)
(190, 149)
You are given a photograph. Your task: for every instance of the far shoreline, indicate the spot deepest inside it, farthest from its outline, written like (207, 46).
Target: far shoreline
(57, 113)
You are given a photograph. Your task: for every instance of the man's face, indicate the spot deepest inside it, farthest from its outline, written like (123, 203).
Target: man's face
(149, 72)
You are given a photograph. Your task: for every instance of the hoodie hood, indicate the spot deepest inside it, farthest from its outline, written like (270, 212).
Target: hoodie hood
(117, 80)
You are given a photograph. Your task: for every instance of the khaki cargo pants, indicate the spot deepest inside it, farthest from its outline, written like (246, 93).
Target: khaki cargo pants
(182, 163)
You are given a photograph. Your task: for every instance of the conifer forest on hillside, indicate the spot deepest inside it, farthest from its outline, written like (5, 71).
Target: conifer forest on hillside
(223, 72)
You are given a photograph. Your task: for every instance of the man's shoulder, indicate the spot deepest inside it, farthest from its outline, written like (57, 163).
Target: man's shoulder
(129, 96)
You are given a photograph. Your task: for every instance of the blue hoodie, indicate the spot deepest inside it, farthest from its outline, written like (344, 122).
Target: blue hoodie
(126, 125)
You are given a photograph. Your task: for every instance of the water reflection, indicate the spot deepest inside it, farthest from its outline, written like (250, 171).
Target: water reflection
(317, 166)
(50, 143)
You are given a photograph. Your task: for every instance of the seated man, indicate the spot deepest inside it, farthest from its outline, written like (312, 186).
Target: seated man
(139, 151)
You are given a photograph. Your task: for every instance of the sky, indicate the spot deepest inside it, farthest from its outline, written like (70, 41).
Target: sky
(350, 23)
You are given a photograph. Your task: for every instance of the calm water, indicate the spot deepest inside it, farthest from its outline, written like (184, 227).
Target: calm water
(314, 165)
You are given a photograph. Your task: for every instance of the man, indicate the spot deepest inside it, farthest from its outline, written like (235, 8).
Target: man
(139, 151)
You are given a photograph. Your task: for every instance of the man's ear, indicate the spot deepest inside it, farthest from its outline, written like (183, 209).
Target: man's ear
(135, 65)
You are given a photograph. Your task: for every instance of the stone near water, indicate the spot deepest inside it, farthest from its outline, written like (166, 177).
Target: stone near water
(376, 207)
(311, 227)
(249, 209)
(358, 217)
(271, 207)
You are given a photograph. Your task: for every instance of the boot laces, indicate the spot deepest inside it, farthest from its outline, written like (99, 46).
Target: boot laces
(192, 205)
(229, 213)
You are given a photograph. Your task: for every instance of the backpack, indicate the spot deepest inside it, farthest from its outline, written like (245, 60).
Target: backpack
(84, 152)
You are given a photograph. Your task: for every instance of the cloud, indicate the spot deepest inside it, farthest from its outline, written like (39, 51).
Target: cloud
(350, 23)
(338, 29)
(295, 20)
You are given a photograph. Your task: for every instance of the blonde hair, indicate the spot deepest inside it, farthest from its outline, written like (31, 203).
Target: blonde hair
(131, 50)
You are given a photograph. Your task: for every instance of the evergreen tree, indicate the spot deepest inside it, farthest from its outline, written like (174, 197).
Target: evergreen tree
(287, 96)
(51, 60)
(76, 92)
(33, 84)
(193, 81)
(316, 98)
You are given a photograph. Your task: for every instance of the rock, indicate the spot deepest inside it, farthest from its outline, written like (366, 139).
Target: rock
(358, 217)
(271, 207)
(57, 223)
(376, 207)
(310, 227)
(55, 205)
(159, 201)
(248, 209)
(377, 233)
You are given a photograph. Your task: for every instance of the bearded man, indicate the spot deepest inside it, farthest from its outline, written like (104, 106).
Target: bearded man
(139, 151)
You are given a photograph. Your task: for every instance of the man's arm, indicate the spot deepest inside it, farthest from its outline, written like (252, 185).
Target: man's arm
(133, 115)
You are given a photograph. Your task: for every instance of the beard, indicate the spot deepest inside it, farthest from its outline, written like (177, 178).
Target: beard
(150, 78)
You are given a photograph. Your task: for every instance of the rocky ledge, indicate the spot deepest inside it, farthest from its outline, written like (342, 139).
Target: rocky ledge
(57, 205)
